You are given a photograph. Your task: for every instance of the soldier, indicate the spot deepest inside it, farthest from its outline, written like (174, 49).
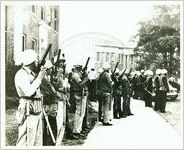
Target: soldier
(50, 99)
(164, 88)
(148, 88)
(117, 92)
(62, 86)
(126, 95)
(92, 85)
(80, 98)
(29, 112)
(105, 88)
(157, 87)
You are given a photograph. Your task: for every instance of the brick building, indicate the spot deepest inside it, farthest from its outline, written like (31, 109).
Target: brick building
(30, 26)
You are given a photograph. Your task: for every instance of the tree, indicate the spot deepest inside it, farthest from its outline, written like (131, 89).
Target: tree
(159, 44)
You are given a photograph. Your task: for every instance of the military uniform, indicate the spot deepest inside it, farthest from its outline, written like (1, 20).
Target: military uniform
(105, 88)
(148, 92)
(117, 93)
(126, 96)
(29, 112)
(80, 98)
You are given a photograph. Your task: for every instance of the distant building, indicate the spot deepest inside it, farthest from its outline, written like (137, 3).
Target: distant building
(100, 47)
(30, 26)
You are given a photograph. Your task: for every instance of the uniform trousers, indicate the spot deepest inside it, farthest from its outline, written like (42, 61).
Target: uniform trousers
(31, 131)
(117, 105)
(106, 107)
(80, 112)
(61, 122)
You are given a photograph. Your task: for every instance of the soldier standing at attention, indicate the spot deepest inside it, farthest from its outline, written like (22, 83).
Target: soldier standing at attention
(126, 95)
(117, 92)
(157, 88)
(80, 99)
(105, 88)
(29, 112)
(164, 88)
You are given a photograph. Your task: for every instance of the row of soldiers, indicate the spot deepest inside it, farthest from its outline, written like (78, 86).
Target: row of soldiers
(50, 96)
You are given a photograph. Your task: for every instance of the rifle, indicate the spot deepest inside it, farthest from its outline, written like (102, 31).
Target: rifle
(122, 74)
(42, 62)
(83, 76)
(85, 68)
(113, 73)
(57, 61)
(129, 72)
(115, 68)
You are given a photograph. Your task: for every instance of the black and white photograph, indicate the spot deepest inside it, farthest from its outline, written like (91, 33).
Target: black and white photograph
(91, 74)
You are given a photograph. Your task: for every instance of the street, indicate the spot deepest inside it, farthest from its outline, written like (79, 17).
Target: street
(145, 130)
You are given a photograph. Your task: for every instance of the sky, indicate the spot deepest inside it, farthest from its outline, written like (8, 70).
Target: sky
(117, 18)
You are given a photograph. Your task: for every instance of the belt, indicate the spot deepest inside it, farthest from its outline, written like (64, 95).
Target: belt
(30, 98)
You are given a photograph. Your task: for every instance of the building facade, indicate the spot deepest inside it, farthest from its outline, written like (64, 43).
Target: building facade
(30, 26)
(100, 47)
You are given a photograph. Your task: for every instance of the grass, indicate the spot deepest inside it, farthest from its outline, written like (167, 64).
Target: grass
(12, 128)
(172, 117)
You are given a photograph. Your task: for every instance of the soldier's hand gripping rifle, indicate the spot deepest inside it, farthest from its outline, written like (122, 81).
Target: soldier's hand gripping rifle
(42, 61)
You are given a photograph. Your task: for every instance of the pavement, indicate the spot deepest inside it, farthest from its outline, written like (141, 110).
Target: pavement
(146, 129)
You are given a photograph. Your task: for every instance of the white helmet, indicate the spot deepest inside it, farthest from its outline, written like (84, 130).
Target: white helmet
(48, 64)
(142, 71)
(158, 71)
(100, 70)
(117, 70)
(29, 56)
(164, 71)
(138, 73)
(106, 66)
(149, 72)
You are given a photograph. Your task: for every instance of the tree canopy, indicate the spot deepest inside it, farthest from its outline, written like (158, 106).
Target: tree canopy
(159, 40)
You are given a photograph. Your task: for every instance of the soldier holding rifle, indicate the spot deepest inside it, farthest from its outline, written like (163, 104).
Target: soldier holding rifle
(105, 88)
(29, 112)
(78, 84)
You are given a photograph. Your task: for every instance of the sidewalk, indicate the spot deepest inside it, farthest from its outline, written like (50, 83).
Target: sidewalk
(145, 130)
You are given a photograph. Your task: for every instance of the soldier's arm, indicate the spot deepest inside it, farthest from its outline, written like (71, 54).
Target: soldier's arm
(22, 82)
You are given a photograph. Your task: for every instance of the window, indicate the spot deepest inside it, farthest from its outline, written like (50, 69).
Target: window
(23, 42)
(33, 8)
(55, 20)
(98, 56)
(34, 44)
(107, 56)
(42, 13)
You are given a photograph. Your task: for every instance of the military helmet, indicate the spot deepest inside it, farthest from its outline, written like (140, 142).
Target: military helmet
(29, 56)
(158, 71)
(164, 71)
(106, 66)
